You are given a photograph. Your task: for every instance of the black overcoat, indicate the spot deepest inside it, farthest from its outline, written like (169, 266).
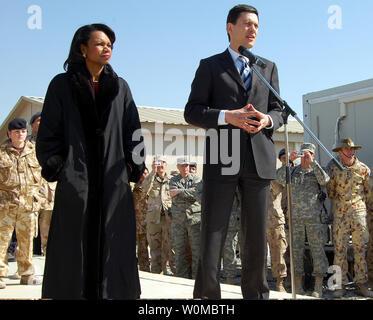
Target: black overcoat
(92, 238)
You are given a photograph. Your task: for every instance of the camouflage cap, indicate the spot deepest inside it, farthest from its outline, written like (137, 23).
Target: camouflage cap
(308, 147)
(160, 158)
(345, 143)
(182, 160)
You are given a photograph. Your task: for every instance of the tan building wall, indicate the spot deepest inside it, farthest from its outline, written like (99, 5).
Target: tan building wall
(165, 132)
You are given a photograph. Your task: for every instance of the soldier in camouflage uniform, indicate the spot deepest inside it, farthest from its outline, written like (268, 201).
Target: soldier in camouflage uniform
(158, 217)
(348, 192)
(370, 229)
(186, 192)
(34, 123)
(140, 201)
(276, 236)
(20, 175)
(232, 241)
(284, 208)
(47, 192)
(306, 180)
(193, 167)
(188, 253)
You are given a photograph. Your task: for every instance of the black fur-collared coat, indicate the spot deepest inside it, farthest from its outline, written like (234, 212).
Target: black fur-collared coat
(85, 143)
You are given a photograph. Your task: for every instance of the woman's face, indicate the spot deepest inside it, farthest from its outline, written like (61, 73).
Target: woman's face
(17, 135)
(98, 49)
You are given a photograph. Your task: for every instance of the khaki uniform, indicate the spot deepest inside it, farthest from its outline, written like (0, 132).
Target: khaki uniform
(158, 220)
(370, 229)
(140, 201)
(275, 231)
(20, 180)
(348, 191)
(47, 192)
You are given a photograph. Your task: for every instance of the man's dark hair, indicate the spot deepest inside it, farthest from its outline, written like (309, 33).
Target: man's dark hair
(236, 11)
(82, 36)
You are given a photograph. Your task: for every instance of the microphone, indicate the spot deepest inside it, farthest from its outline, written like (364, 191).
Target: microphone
(253, 58)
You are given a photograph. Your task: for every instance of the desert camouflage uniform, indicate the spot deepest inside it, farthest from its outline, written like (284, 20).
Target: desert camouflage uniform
(158, 220)
(348, 191)
(19, 204)
(186, 220)
(275, 231)
(140, 200)
(233, 239)
(47, 192)
(306, 209)
(370, 229)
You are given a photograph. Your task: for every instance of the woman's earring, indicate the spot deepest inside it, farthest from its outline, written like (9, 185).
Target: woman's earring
(84, 55)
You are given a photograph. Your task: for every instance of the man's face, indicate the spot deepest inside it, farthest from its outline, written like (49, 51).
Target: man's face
(305, 158)
(245, 31)
(35, 125)
(347, 154)
(192, 169)
(162, 168)
(183, 169)
(283, 158)
(17, 135)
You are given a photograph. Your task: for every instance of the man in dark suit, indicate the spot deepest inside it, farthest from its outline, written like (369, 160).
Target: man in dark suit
(241, 115)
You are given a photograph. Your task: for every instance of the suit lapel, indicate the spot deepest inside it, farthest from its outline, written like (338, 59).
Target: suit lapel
(230, 67)
(254, 82)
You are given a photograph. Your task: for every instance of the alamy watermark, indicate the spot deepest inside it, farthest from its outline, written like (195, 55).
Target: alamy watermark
(34, 21)
(335, 280)
(218, 146)
(335, 19)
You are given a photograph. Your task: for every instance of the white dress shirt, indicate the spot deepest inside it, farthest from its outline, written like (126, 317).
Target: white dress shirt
(237, 62)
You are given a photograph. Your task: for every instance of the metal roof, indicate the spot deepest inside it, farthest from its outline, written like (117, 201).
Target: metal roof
(293, 127)
(165, 115)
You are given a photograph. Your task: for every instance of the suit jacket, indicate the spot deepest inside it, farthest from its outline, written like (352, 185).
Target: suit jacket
(218, 86)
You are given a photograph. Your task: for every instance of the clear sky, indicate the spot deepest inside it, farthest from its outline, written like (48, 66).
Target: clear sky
(316, 44)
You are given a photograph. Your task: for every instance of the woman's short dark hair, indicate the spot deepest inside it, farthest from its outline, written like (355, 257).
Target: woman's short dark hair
(82, 36)
(235, 12)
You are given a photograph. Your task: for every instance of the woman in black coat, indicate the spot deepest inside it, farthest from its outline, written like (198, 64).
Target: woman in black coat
(90, 142)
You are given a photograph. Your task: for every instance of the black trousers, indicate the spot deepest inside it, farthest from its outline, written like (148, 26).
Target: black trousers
(217, 202)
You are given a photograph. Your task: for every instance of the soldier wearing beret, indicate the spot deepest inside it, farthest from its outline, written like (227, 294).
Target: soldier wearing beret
(348, 191)
(34, 123)
(47, 192)
(19, 200)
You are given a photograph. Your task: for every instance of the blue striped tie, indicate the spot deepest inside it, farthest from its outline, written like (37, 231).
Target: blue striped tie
(245, 72)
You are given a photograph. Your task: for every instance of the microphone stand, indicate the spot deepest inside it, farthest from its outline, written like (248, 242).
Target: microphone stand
(286, 111)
